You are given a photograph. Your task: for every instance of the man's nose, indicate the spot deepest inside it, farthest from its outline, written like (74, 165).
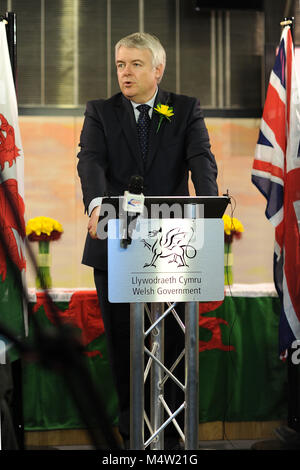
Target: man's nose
(127, 69)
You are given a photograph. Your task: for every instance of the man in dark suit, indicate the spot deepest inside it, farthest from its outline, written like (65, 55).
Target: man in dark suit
(111, 153)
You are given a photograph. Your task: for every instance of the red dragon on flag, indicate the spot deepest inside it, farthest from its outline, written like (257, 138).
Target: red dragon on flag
(8, 150)
(12, 207)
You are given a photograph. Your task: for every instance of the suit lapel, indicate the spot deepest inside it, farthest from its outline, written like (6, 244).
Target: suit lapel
(155, 136)
(127, 120)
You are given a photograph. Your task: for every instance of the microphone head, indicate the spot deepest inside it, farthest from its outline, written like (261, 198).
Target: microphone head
(136, 184)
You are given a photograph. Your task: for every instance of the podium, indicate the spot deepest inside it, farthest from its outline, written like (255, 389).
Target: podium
(175, 254)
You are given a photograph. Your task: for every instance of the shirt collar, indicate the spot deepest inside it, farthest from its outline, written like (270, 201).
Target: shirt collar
(150, 102)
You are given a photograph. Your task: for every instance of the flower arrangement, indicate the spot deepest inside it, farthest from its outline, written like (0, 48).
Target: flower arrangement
(165, 112)
(43, 230)
(233, 228)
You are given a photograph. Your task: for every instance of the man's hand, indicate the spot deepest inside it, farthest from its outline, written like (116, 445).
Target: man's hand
(93, 222)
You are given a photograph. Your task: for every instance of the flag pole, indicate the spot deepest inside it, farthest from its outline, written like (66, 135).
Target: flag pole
(11, 33)
(281, 108)
(289, 22)
(15, 366)
(286, 434)
(293, 369)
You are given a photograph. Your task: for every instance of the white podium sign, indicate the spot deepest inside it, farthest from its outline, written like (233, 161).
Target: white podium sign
(178, 260)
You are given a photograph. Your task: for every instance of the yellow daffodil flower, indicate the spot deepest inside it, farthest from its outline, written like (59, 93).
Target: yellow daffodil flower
(165, 111)
(45, 225)
(232, 225)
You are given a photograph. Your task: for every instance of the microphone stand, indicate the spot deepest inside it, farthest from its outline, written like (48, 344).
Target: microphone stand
(136, 199)
(126, 240)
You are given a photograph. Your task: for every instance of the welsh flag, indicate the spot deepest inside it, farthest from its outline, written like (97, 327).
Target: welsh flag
(12, 224)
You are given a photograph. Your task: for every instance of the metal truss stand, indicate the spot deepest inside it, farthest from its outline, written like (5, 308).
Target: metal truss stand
(154, 365)
(159, 374)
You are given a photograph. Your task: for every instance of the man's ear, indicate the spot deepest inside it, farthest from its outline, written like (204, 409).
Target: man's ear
(159, 71)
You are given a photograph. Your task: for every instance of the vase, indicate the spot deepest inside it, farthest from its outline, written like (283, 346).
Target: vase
(228, 264)
(43, 278)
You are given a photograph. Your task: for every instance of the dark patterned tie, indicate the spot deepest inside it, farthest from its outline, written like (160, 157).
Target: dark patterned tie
(143, 126)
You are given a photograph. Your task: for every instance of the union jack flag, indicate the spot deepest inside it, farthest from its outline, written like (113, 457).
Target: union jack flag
(276, 173)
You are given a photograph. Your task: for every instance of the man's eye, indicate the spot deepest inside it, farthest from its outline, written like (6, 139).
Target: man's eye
(120, 66)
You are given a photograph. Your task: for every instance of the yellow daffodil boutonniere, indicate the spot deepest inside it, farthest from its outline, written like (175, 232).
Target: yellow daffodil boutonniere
(165, 112)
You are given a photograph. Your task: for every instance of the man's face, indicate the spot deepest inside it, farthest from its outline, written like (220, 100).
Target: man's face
(136, 75)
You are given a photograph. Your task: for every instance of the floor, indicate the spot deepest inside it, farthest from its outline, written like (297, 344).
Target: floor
(239, 445)
(282, 438)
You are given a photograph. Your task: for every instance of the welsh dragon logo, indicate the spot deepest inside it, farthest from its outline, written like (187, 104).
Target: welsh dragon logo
(174, 245)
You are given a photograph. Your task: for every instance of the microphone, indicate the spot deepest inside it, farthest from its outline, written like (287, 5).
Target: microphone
(133, 205)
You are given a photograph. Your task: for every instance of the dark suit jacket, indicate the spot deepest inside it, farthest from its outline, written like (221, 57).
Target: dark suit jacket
(110, 155)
